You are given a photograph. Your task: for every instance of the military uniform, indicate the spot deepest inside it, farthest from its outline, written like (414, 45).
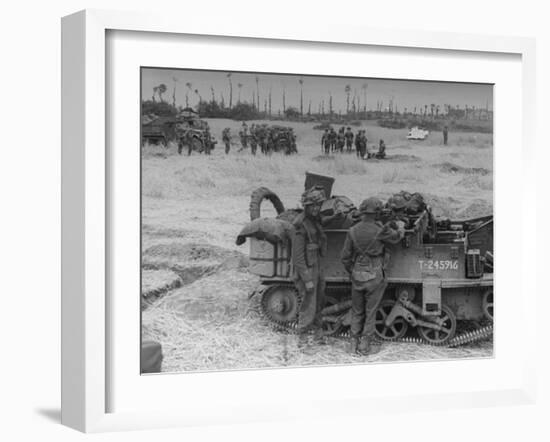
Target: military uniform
(308, 246)
(332, 139)
(253, 144)
(325, 142)
(365, 257)
(349, 139)
(226, 137)
(445, 135)
(381, 150)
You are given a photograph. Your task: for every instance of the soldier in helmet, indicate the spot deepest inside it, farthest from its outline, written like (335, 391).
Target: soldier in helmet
(365, 257)
(381, 150)
(226, 137)
(349, 139)
(308, 245)
(332, 138)
(325, 142)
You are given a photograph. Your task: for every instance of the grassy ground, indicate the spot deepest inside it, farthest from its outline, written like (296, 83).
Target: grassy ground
(193, 208)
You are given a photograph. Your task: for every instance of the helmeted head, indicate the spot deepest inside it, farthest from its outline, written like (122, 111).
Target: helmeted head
(370, 206)
(397, 202)
(312, 199)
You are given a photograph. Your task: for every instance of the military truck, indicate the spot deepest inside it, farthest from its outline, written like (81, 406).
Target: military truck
(439, 275)
(186, 128)
(157, 130)
(190, 131)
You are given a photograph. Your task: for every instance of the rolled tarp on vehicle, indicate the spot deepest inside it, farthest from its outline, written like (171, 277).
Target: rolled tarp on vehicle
(268, 229)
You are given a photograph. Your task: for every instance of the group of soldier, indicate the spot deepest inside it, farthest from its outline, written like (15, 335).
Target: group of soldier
(364, 256)
(262, 136)
(332, 142)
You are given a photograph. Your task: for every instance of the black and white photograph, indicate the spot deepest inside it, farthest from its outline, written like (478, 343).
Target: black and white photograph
(295, 220)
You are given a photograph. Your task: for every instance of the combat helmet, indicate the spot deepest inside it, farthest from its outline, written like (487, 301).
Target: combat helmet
(397, 202)
(370, 205)
(315, 195)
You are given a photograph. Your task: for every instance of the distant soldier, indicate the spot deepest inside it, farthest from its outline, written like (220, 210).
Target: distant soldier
(292, 147)
(226, 137)
(308, 246)
(243, 137)
(340, 141)
(358, 138)
(253, 142)
(365, 257)
(207, 141)
(332, 137)
(325, 142)
(381, 150)
(445, 135)
(349, 139)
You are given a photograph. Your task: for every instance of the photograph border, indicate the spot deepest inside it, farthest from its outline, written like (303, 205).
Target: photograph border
(85, 199)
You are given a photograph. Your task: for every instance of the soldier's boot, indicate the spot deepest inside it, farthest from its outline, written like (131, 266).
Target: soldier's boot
(354, 344)
(368, 346)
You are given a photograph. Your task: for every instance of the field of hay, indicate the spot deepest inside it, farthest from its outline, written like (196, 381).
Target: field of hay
(194, 206)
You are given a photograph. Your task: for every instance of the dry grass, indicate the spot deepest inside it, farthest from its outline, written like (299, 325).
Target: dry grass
(193, 208)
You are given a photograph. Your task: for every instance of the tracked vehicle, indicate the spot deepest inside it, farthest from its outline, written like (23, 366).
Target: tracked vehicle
(440, 276)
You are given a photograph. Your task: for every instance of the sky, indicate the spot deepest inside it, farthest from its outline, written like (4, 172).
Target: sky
(315, 89)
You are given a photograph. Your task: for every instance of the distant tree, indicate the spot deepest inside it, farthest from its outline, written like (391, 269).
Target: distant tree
(190, 88)
(270, 101)
(330, 110)
(161, 109)
(244, 111)
(292, 113)
(174, 92)
(198, 95)
(258, 91)
(309, 109)
(240, 86)
(284, 99)
(301, 81)
(365, 86)
(230, 90)
(213, 94)
(347, 89)
(161, 90)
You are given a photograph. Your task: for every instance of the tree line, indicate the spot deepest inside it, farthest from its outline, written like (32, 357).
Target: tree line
(257, 105)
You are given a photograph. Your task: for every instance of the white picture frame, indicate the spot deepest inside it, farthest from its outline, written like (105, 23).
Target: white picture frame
(86, 206)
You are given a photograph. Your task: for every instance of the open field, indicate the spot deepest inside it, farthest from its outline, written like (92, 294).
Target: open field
(193, 208)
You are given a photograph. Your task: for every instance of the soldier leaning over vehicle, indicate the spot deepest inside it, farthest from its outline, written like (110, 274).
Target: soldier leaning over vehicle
(365, 257)
(308, 245)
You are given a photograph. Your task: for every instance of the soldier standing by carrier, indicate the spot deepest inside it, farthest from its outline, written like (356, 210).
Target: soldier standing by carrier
(226, 137)
(365, 257)
(308, 245)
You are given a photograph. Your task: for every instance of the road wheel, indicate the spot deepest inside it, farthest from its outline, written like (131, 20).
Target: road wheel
(487, 304)
(196, 145)
(258, 196)
(396, 330)
(438, 337)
